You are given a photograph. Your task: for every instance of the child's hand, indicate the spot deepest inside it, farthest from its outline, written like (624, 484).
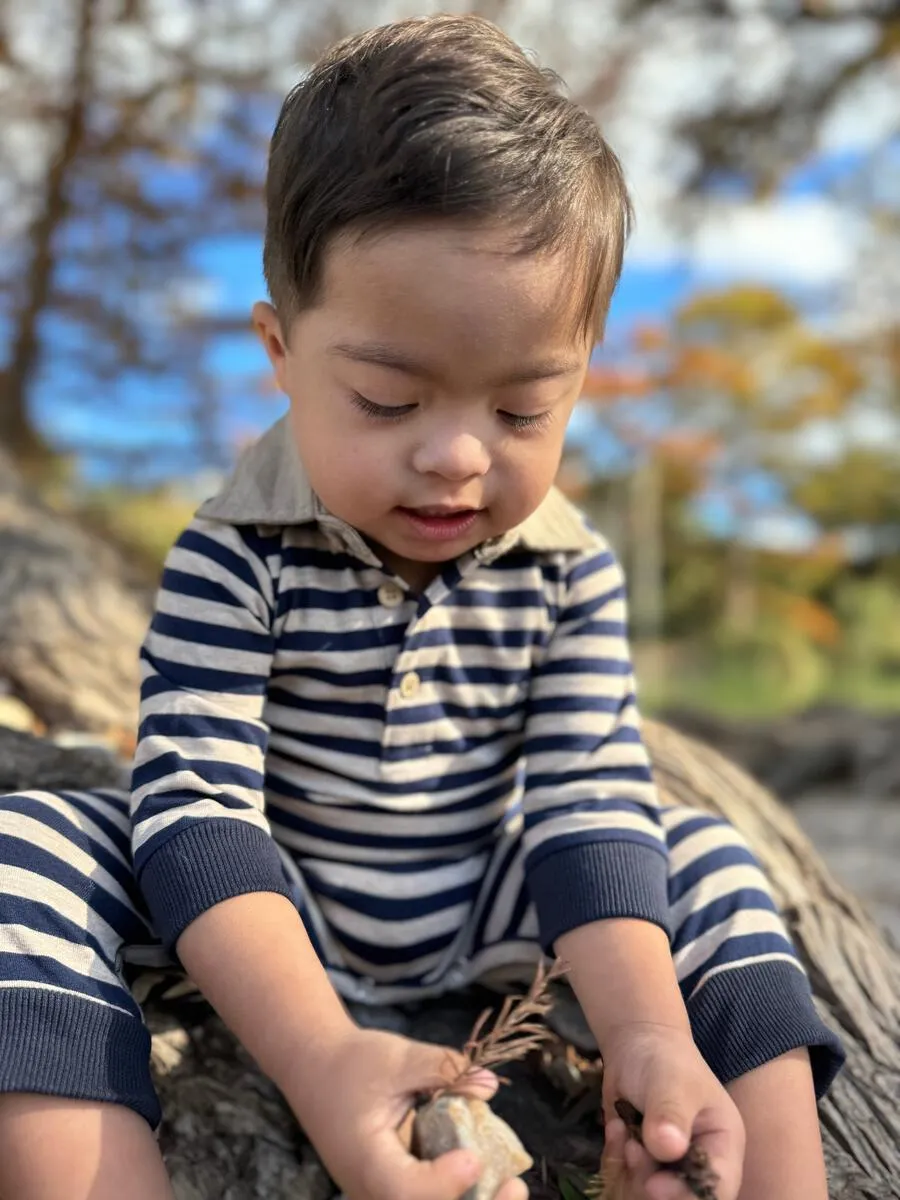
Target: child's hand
(661, 1072)
(362, 1094)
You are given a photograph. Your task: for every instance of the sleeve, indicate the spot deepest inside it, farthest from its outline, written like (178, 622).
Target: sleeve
(199, 833)
(594, 844)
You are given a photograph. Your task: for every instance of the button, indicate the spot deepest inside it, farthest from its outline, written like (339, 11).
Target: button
(390, 595)
(409, 685)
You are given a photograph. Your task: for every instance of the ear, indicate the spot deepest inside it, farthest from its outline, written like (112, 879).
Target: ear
(268, 330)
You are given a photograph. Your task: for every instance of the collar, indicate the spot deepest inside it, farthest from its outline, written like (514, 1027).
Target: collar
(269, 487)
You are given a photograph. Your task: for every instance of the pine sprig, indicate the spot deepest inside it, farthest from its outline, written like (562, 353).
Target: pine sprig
(515, 1031)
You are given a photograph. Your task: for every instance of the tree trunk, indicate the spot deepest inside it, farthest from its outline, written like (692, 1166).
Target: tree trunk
(854, 972)
(17, 430)
(71, 620)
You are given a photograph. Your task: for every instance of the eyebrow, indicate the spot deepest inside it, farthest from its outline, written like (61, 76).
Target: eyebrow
(380, 355)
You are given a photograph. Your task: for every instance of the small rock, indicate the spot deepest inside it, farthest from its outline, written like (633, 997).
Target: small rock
(167, 1050)
(457, 1122)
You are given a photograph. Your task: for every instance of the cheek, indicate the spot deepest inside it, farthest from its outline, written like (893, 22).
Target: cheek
(351, 475)
(535, 465)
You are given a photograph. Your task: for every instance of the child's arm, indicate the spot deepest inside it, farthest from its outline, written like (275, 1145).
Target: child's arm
(597, 869)
(350, 1088)
(624, 977)
(199, 831)
(594, 843)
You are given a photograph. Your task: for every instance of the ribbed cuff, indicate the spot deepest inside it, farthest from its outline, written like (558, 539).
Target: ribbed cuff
(596, 881)
(211, 861)
(59, 1044)
(749, 1015)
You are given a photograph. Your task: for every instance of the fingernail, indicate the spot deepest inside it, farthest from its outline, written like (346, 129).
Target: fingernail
(669, 1129)
(481, 1076)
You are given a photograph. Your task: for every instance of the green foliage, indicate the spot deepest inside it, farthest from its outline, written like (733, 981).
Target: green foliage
(143, 524)
(869, 610)
(861, 488)
(572, 1187)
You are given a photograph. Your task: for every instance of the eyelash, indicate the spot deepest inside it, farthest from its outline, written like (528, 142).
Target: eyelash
(522, 424)
(387, 412)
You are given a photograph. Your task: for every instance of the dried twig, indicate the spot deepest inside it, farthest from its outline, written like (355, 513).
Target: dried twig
(515, 1031)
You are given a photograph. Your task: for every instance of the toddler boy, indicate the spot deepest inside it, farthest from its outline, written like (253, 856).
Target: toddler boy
(389, 742)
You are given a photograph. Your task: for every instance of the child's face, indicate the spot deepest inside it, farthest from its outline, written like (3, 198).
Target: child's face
(430, 386)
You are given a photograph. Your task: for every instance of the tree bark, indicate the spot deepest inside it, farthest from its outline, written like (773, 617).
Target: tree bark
(855, 973)
(72, 616)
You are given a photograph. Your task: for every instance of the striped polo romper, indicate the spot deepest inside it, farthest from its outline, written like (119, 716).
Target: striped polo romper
(443, 784)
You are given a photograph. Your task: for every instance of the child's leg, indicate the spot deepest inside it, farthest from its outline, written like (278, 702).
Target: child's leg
(750, 1004)
(53, 1149)
(784, 1159)
(76, 1097)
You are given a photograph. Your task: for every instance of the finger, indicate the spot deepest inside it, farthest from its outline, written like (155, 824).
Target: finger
(513, 1189)
(664, 1185)
(724, 1153)
(615, 1134)
(396, 1175)
(428, 1068)
(668, 1125)
(613, 1171)
(724, 1150)
(479, 1083)
(640, 1166)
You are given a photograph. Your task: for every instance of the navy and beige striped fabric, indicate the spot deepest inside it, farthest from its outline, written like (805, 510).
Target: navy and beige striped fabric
(443, 783)
(389, 740)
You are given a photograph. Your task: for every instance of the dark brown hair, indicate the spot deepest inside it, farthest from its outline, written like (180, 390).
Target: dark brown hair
(439, 117)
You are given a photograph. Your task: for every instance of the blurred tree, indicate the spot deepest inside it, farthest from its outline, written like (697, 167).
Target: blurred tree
(134, 132)
(135, 139)
(722, 403)
(861, 488)
(744, 364)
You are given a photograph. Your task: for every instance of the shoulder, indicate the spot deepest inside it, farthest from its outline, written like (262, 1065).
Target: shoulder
(564, 539)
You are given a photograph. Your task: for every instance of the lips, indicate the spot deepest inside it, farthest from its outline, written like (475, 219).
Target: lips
(439, 522)
(440, 510)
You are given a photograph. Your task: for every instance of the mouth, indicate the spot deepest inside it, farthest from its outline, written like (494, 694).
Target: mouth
(440, 522)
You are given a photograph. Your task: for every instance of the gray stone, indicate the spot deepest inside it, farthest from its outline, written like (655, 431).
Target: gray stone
(458, 1122)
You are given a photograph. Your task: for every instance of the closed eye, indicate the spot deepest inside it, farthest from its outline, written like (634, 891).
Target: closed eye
(384, 412)
(522, 422)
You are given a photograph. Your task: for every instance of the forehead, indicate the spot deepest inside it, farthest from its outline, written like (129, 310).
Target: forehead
(459, 294)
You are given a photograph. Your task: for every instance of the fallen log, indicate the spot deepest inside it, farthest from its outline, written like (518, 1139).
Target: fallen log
(823, 746)
(227, 1133)
(855, 973)
(72, 615)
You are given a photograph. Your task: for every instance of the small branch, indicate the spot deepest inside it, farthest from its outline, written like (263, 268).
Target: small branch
(516, 1030)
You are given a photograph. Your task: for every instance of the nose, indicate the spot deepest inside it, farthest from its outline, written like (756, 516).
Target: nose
(457, 456)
